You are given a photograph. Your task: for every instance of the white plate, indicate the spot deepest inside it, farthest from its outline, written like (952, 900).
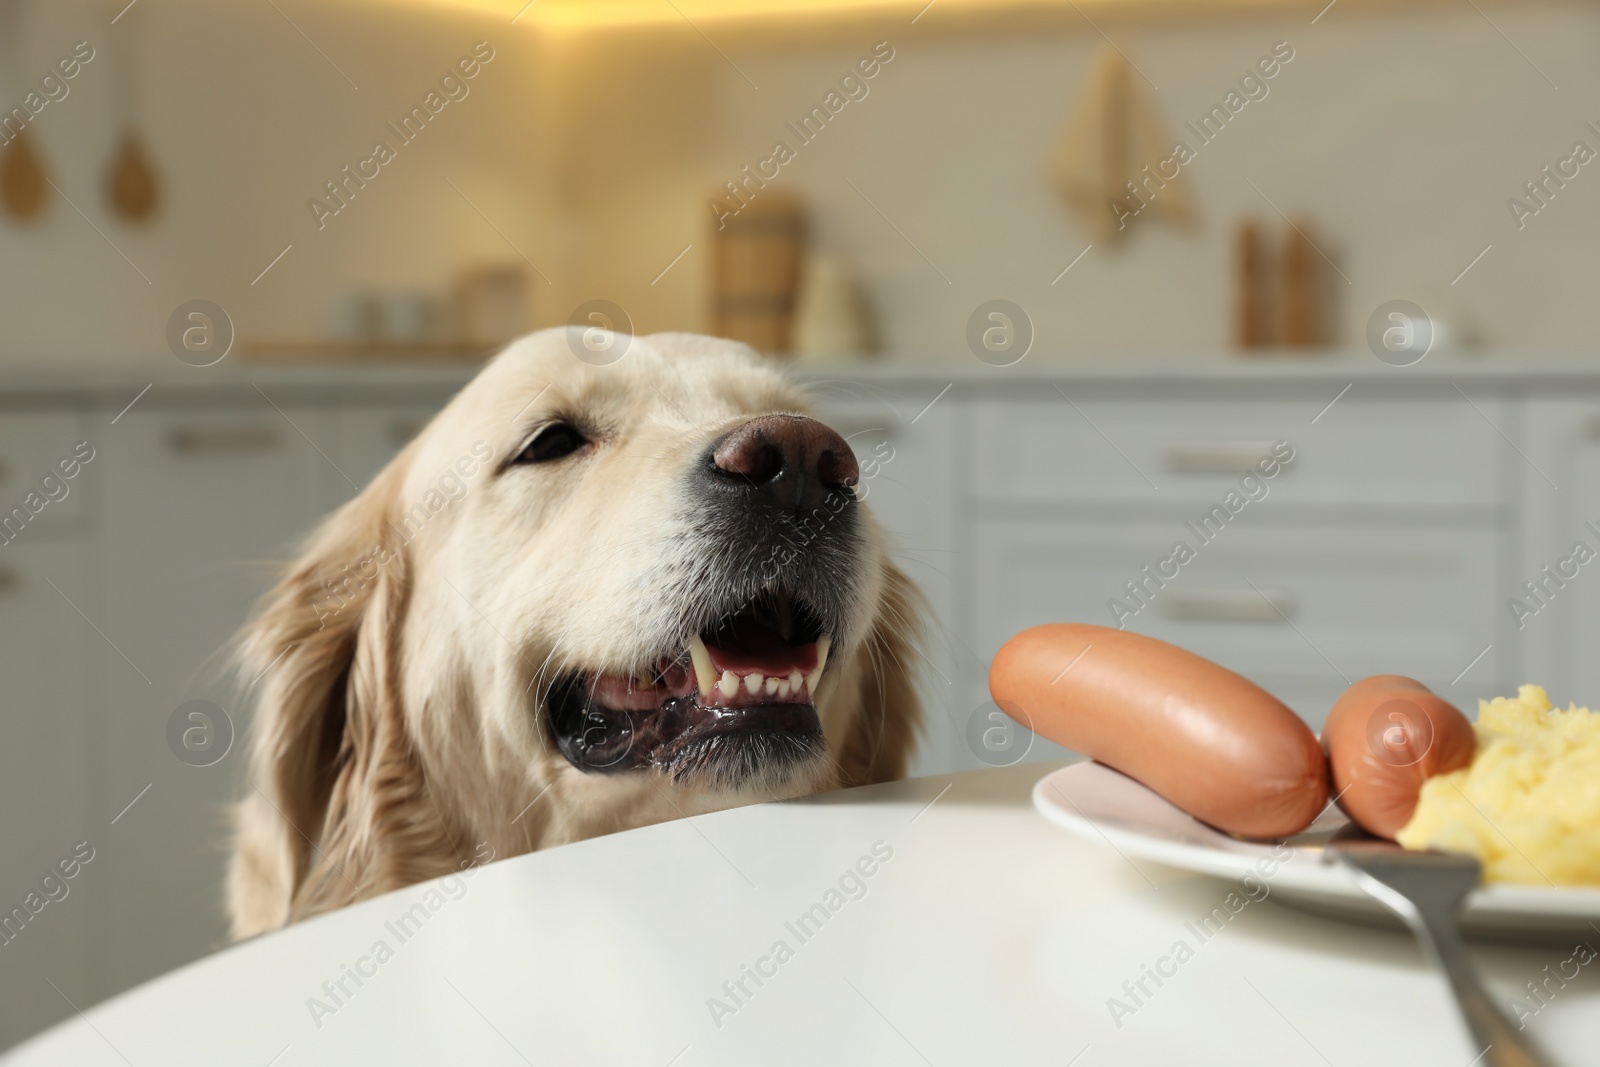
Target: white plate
(1094, 801)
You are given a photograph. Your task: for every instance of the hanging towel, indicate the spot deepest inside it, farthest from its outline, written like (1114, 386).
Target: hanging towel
(1111, 136)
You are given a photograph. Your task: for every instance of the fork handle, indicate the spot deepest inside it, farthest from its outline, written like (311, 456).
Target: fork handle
(1502, 1044)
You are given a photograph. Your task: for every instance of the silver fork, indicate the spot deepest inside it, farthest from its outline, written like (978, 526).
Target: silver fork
(1426, 890)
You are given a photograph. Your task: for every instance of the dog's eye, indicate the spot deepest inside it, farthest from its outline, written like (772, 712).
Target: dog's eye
(553, 442)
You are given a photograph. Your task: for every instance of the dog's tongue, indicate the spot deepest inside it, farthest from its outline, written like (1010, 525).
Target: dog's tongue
(754, 646)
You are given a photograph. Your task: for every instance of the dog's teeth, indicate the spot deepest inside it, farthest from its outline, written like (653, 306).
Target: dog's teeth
(753, 682)
(822, 661)
(729, 685)
(783, 689)
(643, 682)
(772, 687)
(705, 675)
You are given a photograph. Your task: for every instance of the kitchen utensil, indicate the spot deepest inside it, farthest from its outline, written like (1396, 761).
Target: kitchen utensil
(410, 318)
(755, 265)
(358, 318)
(1426, 890)
(131, 184)
(831, 320)
(1300, 318)
(22, 180)
(132, 188)
(493, 303)
(1250, 328)
(22, 177)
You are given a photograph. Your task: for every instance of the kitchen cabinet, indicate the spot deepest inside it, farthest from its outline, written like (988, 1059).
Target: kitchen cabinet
(199, 502)
(33, 447)
(1101, 444)
(904, 440)
(1557, 623)
(364, 439)
(203, 504)
(50, 800)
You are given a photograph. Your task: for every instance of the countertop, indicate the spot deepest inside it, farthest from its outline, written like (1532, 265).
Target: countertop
(937, 921)
(104, 381)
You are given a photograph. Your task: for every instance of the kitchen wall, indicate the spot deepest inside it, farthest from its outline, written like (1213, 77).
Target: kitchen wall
(245, 119)
(1402, 136)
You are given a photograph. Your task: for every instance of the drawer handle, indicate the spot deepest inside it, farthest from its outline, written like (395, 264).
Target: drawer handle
(1215, 457)
(223, 440)
(1227, 605)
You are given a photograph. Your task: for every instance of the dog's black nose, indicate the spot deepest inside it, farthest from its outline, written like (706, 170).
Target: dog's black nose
(788, 461)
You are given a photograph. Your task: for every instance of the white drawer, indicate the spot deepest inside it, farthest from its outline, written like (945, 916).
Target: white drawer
(1354, 600)
(198, 506)
(1362, 450)
(48, 781)
(906, 477)
(361, 442)
(33, 449)
(1558, 628)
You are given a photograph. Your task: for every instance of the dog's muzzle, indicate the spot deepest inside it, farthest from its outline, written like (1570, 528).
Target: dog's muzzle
(775, 509)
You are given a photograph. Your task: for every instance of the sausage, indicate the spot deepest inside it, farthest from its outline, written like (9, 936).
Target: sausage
(1215, 744)
(1386, 736)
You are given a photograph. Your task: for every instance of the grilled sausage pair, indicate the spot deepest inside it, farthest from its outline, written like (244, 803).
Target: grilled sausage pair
(1219, 746)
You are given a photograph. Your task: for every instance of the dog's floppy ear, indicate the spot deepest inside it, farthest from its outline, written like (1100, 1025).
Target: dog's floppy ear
(883, 734)
(316, 699)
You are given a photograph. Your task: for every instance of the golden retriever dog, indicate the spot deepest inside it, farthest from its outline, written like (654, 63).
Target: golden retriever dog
(585, 598)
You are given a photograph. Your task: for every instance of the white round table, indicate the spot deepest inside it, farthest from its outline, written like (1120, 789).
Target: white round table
(937, 921)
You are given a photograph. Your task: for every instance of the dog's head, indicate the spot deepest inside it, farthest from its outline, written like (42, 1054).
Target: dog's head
(584, 598)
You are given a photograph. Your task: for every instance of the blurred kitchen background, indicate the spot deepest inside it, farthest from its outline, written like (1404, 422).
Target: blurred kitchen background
(1058, 343)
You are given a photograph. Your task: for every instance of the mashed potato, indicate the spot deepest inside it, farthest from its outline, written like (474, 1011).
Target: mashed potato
(1529, 805)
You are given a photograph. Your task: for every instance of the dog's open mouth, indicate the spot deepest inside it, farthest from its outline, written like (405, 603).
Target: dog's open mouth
(738, 701)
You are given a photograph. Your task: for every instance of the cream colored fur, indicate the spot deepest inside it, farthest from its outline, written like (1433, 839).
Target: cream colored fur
(398, 726)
